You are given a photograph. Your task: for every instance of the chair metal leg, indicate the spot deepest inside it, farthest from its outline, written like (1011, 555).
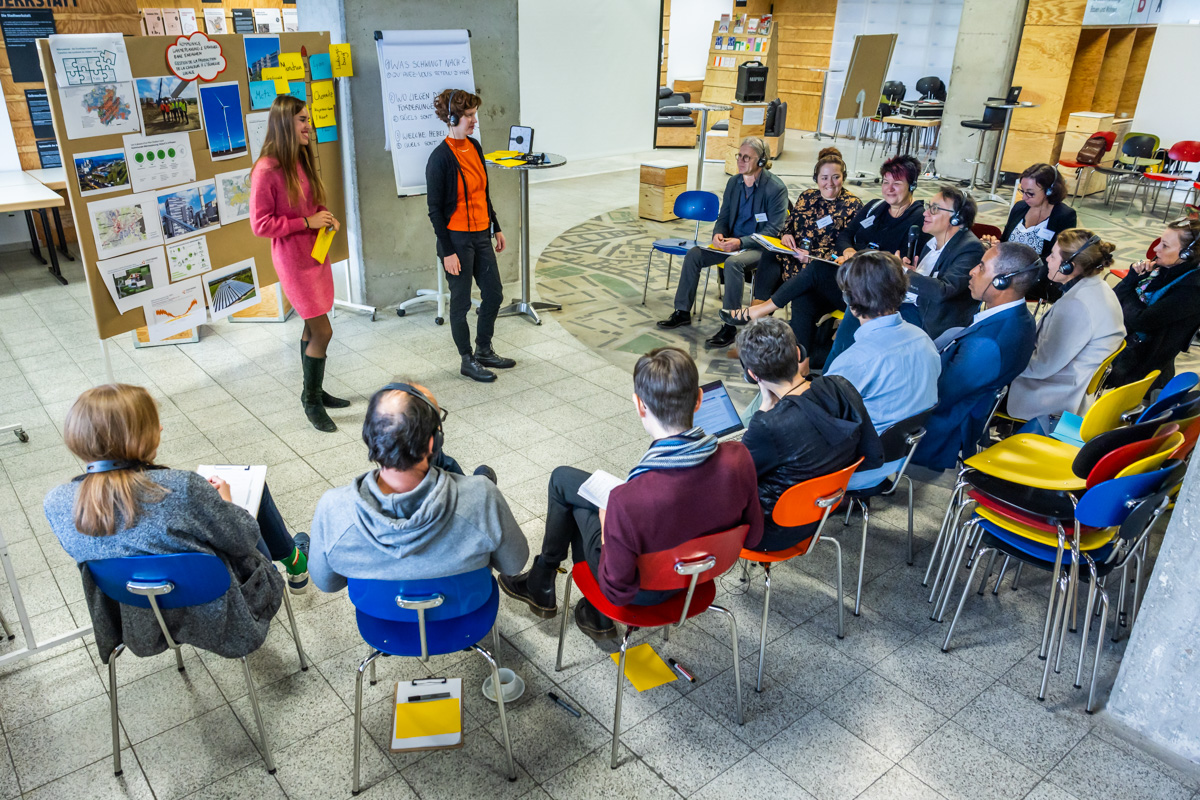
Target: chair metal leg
(737, 661)
(1091, 703)
(374, 680)
(178, 659)
(646, 285)
(704, 296)
(358, 714)
(512, 767)
(862, 556)
(1000, 577)
(496, 639)
(112, 706)
(962, 599)
(762, 639)
(1137, 583)
(262, 729)
(562, 626)
(1087, 629)
(849, 511)
(951, 570)
(620, 692)
(8, 634)
(910, 520)
(1017, 575)
(942, 543)
(1046, 628)
(287, 603)
(1061, 593)
(1117, 621)
(841, 602)
(988, 574)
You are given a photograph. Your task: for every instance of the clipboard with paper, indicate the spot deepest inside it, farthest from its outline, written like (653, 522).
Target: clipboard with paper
(432, 724)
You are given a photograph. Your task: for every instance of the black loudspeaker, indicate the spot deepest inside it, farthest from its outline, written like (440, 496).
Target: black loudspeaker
(751, 83)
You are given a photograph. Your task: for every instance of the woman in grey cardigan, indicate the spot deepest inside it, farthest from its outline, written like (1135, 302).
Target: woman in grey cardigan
(1075, 336)
(124, 505)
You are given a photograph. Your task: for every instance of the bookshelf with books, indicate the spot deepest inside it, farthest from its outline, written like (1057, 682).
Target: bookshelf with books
(736, 39)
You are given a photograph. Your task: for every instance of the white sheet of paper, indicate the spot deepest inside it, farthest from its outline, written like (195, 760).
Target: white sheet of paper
(179, 308)
(100, 109)
(256, 132)
(124, 224)
(291, 20)
(754, 115)
(597, 488)
(233, 195)
(215, 22)
(268, 20)
(189, 258)
(187, 21)
(158, 161)
(101, 172)
(245, 482)
(81, 59)
(231, 288)
(187, 210)
(134, 278)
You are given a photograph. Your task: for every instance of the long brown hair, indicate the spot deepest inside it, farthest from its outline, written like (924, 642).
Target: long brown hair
(282, 145)
(118, 422)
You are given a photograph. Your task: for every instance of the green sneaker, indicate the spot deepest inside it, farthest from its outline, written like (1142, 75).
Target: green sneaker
(297, 565)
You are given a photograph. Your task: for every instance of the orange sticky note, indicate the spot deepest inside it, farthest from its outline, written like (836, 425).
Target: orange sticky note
(428, 718)
(323, 117)
(644, 668)
(321, 249)
(292, 65)
(339, 58)
(322, 93)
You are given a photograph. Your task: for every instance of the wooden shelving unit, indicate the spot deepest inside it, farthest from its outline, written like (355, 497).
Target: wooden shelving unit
(805, 40)
(720, 83)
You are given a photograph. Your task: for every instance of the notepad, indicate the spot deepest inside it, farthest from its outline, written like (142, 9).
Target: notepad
(246, 482)
(771, 243)
(427, 724)
(644, 668)
(1067, 429)
(321, 247)
(598, 486)
(716, 249)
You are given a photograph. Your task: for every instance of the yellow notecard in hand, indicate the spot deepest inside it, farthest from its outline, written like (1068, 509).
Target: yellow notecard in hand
(324, 117)
(339, 61)
(322, 93)
(274, 73)
(428, 718)
(321, 248)
(644, 668)
(292, 65)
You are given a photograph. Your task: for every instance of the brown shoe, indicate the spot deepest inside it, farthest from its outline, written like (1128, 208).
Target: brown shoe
(534, 588)
(589, 620)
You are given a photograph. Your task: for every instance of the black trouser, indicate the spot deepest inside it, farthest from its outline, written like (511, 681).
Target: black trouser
(477, 261)
(573, 524)
(698, 258)
(813, 293)
(275, 539)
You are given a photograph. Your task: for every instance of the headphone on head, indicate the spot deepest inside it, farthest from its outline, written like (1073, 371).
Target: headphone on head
(439, 437)
(1188, 252)
(1068, 266)
(956, 215)
(1002, 282)
(453, 119)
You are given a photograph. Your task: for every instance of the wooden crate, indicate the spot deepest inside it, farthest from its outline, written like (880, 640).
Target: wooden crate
(694, 87)
(676, 137)
(658, 202)
(718, 145)
(663, 173)
(273, 308)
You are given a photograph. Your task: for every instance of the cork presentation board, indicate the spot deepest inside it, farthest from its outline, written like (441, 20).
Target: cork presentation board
(227, 244)
(868, 68)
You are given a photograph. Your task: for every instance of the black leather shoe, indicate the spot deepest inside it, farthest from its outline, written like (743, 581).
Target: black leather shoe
(597, 626)
(728, 318)
(475, 371)
(486, 471)
(676, 319)
(722, 338)
(487, 356)
(534, 588)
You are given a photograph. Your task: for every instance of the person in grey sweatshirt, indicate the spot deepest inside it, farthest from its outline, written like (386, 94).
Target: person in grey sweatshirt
(411, 518)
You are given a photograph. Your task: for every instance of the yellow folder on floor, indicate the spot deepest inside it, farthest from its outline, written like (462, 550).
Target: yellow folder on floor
(427, 724)
(430, 718)
(644, 668)
(321, 248)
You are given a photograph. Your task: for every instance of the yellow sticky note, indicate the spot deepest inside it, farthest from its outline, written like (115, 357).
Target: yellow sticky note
(274, 73)
(496, 155)
(644, 668)
(322, 93)
(321, 248)
(428, 718)
(323, 117)
(281, 86)
(292, 65)
(339, 58)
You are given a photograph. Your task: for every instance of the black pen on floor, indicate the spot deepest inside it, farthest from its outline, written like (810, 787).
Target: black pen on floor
(566, 706)
(675, 666)
(416, 698)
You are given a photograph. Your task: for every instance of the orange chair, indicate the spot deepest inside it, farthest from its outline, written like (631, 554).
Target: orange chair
(803, 504)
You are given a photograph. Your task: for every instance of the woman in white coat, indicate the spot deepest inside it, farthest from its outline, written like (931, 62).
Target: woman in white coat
(1074, 337)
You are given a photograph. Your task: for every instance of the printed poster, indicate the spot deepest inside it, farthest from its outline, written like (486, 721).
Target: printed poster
(185, 211)
(256, 131)
(233, 195)
(188, 258)
(221, 105)
(124, 224)
(187, 21)
(268, 20)
(134, 278)
(171, 26)
(262, 52)
(231, 289)
(157, 161)
(100, 109)
(101, 171)
(168, 105)
(85, 58)
(178, 308)
(215, 22)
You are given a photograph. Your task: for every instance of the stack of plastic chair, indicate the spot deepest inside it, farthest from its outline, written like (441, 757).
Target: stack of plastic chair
(694, 205)
(1182, 157)
(1136, 155)
(690, 569)
(1093, 387)
(423, 618)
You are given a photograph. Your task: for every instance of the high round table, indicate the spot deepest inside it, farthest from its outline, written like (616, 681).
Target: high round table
(703, 108)
(1008, 109)
(523, 305)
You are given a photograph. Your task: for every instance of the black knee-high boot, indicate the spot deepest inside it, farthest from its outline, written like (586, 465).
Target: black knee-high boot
(328, 400)
(314, 409)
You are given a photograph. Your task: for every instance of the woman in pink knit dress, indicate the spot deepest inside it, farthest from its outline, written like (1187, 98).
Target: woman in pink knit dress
(287, 206)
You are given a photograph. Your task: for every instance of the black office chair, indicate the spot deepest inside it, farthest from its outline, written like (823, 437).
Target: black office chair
(993, 120)
(931, 88)
(889, 102)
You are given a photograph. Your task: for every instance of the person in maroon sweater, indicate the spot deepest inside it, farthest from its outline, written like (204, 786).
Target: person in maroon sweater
(686, 485)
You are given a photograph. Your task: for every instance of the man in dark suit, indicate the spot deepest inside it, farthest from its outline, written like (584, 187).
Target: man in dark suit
(941, 273)
(987, 354)
(755, 201)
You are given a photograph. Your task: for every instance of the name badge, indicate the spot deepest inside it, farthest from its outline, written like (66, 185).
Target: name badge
(760, 217)
(1046, 234)
(868, 222)
(826, 221)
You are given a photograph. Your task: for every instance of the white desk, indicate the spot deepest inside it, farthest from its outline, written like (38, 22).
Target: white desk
(19, 191)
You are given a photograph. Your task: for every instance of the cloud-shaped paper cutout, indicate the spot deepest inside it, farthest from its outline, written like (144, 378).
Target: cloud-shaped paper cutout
(195, 56)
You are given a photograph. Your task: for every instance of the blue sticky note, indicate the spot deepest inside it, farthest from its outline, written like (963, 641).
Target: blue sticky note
(262, 94)
(318, 64)
(327, 134)
(298, 91)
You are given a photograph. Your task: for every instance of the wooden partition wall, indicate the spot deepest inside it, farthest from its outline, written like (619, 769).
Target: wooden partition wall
(805, 40)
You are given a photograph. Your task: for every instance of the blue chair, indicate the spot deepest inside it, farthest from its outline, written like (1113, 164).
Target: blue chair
(165, 582)
(1172, 395)
(426, 618)
(697, 205)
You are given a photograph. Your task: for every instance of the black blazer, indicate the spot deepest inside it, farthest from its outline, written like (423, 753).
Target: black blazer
(1156, 333)
(770, 198)
(884, 232)
(442, 179)
(943, 298)
(1062, 216)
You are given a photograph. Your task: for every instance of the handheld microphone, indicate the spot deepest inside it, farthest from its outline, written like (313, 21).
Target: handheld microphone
(914, 235)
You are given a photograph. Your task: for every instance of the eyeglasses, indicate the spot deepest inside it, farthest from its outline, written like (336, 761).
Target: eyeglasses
(935, 209)
(1028, 193)
(744, 157)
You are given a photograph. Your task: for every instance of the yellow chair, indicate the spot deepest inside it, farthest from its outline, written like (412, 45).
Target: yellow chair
(1154, 461)
(1093, 387)
(1106, 413)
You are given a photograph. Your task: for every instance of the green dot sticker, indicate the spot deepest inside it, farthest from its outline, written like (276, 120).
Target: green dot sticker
(161, 154)
(171, 152)
(139, 158)
(149, 155)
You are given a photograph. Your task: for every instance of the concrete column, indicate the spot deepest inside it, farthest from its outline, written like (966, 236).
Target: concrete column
(1156, 694)
(989, 35)
(393, 235)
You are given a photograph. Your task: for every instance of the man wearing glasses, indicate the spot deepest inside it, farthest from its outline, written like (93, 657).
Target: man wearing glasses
(755, 201)
(940, 295)
(416, 516)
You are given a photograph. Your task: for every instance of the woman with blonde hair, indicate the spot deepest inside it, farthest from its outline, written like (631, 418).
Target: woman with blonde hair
(287, 206)
(126, 505)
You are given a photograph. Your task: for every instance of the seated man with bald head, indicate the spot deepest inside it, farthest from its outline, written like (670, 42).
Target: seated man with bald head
(416, 516)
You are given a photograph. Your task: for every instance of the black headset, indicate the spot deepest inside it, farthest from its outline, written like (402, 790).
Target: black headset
(956, 214)
(452, 118)
(1188, 252)
(439, 437)
(1068, 265)
(1002, 282)
(761, 147)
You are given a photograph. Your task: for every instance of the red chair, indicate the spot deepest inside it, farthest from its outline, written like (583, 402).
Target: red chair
(1123, 271)
(1183, 155)
(981, 230)
(693, 566)
(803, 504)
(1081, 162)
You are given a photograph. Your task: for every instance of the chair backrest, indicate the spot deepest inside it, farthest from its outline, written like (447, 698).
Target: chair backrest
(1102, 371)
(1116, 461)
(1190, 428)
(994, 116)
(981, 229)
(1095, 449)
(1147, 510)
(1187, 407)
(812, 499)
(1154, 460)
(705, 556)
(185, 579)
(1094, 148)
(1184, 152)
(698, 205)
(404, 601)
(1137, 147)
(894, 91)
(931, 88)
(1109, 503)
(1153, 246)
(1171, 395)
(1106, 413)
(901, 437)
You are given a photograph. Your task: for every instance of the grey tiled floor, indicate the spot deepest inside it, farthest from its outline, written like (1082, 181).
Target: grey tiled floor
(881, 714)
